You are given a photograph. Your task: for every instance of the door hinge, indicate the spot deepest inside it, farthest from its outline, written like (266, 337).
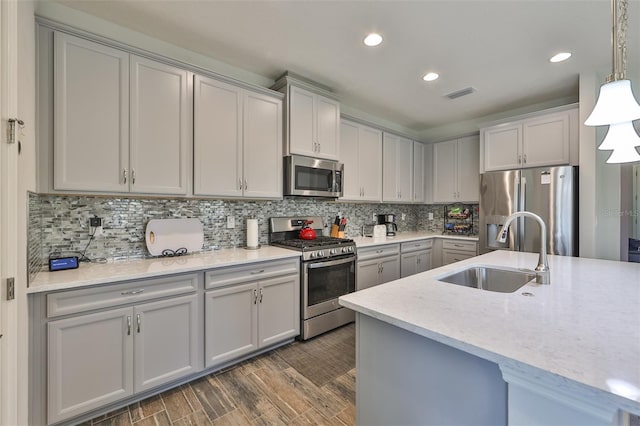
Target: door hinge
(11, 293)
(11, 137)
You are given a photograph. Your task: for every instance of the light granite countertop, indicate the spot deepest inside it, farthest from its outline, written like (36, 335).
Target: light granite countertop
(101, 273)
(580, 332)
(403, 237)
(123, 270)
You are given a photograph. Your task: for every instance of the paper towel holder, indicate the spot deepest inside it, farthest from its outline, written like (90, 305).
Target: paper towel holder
(247, 247)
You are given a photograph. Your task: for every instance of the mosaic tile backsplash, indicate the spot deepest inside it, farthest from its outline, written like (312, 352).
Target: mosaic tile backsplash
(61, 223)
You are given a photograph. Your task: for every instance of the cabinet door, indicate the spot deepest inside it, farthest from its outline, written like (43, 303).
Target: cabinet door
(546, 140)
(404, 170)
(91, 120)
(327, 128)
(445, 171)
(502, 147)
(468, 169)
(370, 163)
(390, 269)
(408, 264)
(231, 323)
(159, 128)
(262, 146)
(90, 362)
(217, 138)
(301, 122)
(369, 274)
(418, 172)
(424, 261)
(389, 163)
(278, 309)
(349, 140)
(166, 336)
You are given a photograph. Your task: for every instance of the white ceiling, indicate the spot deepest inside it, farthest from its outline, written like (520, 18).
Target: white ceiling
(501, 48)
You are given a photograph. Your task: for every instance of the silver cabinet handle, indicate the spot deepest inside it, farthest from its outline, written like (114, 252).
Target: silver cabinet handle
(245, 185)
(260, 294)
(128, 325)
(519, 159)
(124, 175)
(257, 272)
(458, 245)
(240, 184)
(525, 159)
(133, 176)
(255, 296)
(379, 251)
(138, 322)
(132, 292)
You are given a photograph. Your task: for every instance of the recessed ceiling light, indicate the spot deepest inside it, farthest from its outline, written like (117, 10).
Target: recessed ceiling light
(430, 76)
(373, 39)
(559, 57)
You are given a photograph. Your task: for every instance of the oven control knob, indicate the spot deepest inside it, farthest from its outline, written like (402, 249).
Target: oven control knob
(321, 254)
(350, 249)
(312, 255)
(333, 251)
(344, 250)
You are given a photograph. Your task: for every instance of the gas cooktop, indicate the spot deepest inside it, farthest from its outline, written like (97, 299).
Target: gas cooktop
(284, 232)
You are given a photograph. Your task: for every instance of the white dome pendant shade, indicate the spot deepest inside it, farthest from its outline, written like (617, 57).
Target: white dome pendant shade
(620, 135)
(622, 139)
(616, 104)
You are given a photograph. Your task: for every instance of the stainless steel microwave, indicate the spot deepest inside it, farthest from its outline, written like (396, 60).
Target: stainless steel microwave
(312, 177)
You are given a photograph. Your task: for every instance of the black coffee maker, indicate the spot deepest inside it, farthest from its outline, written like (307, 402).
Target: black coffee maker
(388, 220)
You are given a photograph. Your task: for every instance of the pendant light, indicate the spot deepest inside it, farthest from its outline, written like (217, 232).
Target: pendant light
(616, 105)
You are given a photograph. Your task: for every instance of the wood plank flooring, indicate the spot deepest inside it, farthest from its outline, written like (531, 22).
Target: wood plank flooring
(304, 383)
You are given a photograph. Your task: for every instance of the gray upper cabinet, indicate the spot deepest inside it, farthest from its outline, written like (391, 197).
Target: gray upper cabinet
(160, 121)
(361, 153)
(312, 118)
(121, 122)
(237, 141)
(91, 120)
(456, 175)
(397, 169)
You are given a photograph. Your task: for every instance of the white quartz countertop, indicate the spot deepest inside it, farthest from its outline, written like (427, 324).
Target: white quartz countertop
(581, 331)
(100, 273)
(403, 237)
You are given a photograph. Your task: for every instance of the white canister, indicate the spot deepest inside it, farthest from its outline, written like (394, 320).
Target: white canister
(252, 233)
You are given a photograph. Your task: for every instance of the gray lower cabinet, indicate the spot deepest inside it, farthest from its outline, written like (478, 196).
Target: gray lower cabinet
(99, 358)
(415, 257)
(455, 250)
(378, 265)
(248, 308)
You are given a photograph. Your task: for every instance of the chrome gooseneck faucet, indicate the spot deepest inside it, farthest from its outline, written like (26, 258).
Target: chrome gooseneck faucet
(542, 270)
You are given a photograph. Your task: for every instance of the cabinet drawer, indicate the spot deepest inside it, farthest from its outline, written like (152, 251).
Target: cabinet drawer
(453, 256)
(75, 301)
(467, 246)
(378, 251)
(416, 245)
(253, 272)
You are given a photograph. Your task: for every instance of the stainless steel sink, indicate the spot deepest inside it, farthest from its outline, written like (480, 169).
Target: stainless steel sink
(502, 280)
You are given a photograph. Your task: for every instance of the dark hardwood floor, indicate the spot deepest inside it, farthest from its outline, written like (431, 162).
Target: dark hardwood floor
(303, 383)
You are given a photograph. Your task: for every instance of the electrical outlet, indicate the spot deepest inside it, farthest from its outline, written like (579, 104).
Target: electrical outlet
(430, 216)
(404, 216)
(231, 222)
(95, 226)
(375, 217)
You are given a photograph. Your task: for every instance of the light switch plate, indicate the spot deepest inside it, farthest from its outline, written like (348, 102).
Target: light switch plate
(231, 222)
(430, 216)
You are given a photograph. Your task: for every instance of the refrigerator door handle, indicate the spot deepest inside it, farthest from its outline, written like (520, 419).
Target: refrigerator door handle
(522, 207)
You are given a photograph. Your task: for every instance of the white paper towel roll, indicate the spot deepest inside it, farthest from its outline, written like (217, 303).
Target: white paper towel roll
(252, 233)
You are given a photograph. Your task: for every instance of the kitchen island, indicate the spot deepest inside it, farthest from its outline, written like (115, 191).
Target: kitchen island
(430, 352)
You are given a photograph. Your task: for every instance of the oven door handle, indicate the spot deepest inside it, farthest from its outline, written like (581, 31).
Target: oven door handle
(331, 263)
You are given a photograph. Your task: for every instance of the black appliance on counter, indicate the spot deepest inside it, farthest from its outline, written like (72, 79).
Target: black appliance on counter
(388, 220)
(328, 271)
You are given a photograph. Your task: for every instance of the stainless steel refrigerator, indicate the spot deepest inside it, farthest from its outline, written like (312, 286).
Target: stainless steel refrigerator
(549, 192)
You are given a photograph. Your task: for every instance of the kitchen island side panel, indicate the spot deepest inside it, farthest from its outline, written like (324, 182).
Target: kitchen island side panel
(407, 379)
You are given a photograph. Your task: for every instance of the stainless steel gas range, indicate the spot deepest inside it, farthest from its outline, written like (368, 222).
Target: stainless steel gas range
(328, 271)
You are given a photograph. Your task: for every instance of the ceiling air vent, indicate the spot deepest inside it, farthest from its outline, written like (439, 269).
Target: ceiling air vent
(460, 93)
